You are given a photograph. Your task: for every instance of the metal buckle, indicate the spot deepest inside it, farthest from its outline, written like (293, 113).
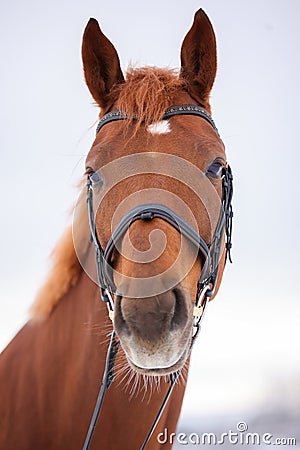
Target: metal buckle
(199, 309)
(108, 299)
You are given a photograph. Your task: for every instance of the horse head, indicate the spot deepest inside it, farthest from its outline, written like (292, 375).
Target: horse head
(150, 152)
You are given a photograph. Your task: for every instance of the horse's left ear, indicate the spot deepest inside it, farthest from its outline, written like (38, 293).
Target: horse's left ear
(101, 64)
(199, 58)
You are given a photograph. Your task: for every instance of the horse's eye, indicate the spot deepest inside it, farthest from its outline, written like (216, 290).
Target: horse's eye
(95, 178)
(215, 170)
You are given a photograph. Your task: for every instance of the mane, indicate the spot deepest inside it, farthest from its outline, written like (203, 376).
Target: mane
(147, 93)
(65, 266)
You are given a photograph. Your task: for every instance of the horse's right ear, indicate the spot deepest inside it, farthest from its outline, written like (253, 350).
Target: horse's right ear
(101, 64)
(199, 58)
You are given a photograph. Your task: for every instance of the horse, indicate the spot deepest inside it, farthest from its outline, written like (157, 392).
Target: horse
(155, 183)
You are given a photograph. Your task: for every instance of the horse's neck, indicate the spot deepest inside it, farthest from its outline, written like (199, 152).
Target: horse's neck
(76, 327)
(50, 376)
(52, 369)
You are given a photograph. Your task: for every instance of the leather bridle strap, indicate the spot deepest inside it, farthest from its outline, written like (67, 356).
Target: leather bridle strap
(152, 211)
(100, 260)
(148, 212)
(172, 380)
(191, 110)
(107, 379)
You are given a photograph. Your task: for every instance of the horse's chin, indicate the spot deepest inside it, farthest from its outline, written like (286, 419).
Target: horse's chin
(161, 370)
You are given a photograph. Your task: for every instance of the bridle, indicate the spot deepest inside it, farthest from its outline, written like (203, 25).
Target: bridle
(211, 254)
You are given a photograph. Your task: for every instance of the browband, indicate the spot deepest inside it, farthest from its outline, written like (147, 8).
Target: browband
(192, 110)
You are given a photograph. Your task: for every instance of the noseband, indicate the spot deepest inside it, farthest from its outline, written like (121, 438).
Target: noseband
(210, 252)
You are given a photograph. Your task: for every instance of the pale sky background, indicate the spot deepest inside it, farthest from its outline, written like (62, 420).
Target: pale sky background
(247, 357)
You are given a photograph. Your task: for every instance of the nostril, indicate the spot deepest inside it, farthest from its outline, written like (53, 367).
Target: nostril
(152, 318)
(180, 316)
(119, 320)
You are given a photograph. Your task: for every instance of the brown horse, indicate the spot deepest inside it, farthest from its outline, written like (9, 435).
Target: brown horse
(50, 372)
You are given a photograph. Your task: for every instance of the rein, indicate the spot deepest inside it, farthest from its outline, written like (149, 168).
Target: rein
(211, 254)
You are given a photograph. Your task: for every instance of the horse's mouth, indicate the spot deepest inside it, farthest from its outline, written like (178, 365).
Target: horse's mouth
(161, 369)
